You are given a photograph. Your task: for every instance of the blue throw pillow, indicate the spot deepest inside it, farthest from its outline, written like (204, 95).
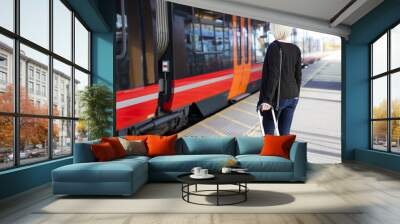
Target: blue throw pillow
(249, 145)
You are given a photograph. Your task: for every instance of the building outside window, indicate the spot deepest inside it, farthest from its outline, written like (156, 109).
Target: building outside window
(30, 72)
(56, 129)
(38, 89)
(3, 60)
(385, 91)
(43, 90)
(3, 78)
(30, 87)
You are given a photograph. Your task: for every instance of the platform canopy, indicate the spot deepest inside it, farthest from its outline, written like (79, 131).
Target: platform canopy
(326, 16)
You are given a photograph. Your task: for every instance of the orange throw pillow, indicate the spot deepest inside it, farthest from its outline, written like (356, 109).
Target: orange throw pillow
(103, 152)
(161, 145)
(136, 137)
(277, 145)
(116, 145)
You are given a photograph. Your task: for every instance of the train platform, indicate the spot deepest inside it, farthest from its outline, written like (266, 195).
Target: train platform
(317, 103)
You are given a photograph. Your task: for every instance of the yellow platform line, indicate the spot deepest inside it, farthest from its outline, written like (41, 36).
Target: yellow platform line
(245, 111)
(248, 103)
(234, 121)
(212, 129)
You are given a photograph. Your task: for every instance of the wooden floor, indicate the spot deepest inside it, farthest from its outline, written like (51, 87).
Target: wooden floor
(378, 189)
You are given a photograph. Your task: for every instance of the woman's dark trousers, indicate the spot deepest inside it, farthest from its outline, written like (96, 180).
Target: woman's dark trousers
(284, 116)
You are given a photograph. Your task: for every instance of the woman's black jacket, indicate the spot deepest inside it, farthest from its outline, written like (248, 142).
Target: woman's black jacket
(290, 77)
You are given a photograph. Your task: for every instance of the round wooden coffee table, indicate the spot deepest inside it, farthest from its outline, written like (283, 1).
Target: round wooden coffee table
(238, 179)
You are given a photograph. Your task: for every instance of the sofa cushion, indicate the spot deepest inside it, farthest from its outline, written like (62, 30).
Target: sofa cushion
(185, 163)
(257, 163)
(248, 145)
(112, 171)
(83, 152)
(133, 157)
(191, 145)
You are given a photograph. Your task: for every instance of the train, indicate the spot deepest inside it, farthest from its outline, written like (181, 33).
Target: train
(177, 64)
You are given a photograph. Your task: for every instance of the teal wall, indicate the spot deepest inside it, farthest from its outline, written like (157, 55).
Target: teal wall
(98, 15)
(24, 178)
(355, 84)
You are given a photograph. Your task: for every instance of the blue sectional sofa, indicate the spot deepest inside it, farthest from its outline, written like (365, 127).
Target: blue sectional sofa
(125, 176)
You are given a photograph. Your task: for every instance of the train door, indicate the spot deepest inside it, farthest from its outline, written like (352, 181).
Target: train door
(241, 55)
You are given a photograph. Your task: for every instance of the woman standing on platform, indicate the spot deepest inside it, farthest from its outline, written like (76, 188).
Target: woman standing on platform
(281, 81)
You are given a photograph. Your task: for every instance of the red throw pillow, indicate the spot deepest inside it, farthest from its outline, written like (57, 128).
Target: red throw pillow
(161, 145)
(277, 145)
(116, 145)
(103, 152)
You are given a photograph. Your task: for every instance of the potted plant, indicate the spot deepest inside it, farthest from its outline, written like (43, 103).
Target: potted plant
(96, 103)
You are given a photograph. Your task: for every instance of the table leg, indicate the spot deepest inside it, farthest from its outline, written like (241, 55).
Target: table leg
(188, 190)
(245, 193)
(196, 187)
(217, 194)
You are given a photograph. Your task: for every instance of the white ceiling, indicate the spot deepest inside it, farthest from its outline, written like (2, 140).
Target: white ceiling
(313, 15)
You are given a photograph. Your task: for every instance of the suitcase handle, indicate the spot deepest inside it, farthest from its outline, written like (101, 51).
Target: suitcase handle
(260, 118)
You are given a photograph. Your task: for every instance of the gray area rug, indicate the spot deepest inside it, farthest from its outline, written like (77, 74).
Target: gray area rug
(166, 198)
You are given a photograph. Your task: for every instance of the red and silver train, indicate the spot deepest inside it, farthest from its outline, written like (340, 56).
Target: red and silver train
(177, 64)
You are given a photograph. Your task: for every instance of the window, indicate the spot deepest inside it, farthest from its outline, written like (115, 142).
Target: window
(6, 73)
(63, 73)
(385, 92)
(7, 14)
(3, 78)
(81, 45)
(45, 109)
(6, 142)
(62, 138)
(37, 74)
(3, 61)
(37, 89)
(81, 81)
(30, 87)
(239, 40)
(34, 21)
(62, 30)
(44, 91)
(30, 72)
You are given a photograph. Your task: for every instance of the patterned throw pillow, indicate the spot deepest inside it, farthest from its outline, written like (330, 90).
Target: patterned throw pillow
(134, 147)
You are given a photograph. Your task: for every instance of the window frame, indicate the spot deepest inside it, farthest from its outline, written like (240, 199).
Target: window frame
(16, 114)
(388, 74)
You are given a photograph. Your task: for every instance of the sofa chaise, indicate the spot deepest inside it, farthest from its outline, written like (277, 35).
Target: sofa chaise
(125, 176)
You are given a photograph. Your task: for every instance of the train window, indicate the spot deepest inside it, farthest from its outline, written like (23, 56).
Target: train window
(246, 41)
(208, 37)
(198, 46)
(219, 38)
(260, 44)
(228, 42)
(239, 40)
